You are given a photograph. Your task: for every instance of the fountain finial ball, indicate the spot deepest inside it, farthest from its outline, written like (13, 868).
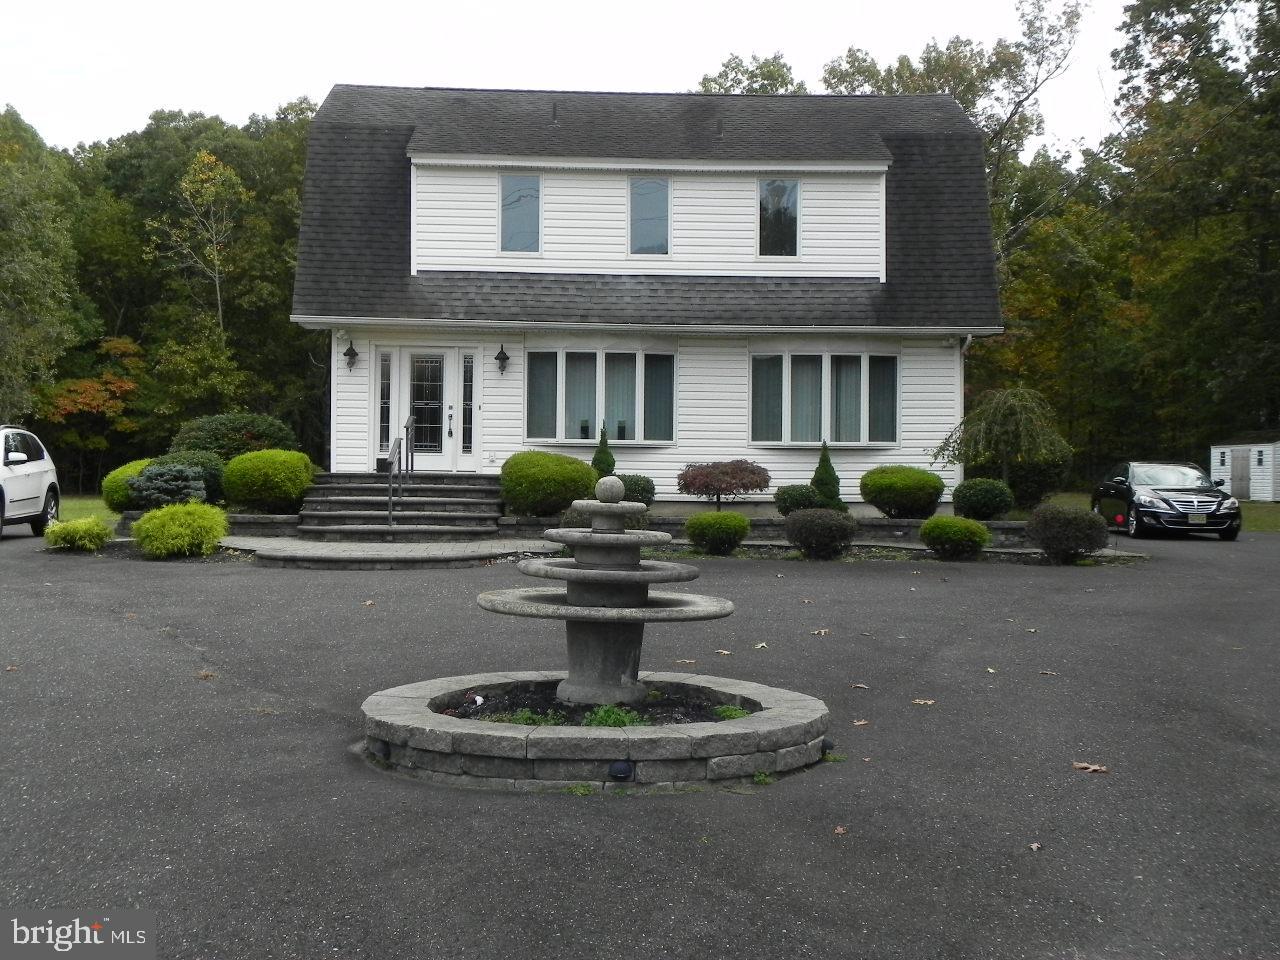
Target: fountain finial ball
(609, 490)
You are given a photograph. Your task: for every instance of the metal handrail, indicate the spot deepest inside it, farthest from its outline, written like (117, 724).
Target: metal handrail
(408, 442)
(394, 473)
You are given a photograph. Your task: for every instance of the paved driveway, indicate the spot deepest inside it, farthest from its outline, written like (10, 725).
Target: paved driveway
(232, 806)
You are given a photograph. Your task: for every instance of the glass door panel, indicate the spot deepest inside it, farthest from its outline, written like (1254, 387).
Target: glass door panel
(426, 402)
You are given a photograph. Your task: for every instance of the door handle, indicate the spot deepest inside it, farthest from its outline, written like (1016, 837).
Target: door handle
(451, 425)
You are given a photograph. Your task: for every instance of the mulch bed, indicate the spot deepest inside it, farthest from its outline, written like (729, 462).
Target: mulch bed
(665, 707)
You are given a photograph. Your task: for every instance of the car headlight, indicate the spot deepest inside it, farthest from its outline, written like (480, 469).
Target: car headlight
(1231, 503)
(1153, 503)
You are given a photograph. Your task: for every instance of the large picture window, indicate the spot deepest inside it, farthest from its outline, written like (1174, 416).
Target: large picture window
(779, 218)
(570, 393)
(521, 213)
(809, 397)
(650, 215)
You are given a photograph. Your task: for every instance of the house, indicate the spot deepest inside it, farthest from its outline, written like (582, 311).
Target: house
(1246, 465)
(710, 277)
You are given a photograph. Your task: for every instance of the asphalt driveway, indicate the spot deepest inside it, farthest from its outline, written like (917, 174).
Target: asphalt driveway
(177, 734)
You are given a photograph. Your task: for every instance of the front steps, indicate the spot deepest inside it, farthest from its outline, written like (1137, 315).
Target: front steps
(426, 507)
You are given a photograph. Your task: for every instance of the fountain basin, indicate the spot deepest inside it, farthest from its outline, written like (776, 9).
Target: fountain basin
(649, 571)
(551, 603)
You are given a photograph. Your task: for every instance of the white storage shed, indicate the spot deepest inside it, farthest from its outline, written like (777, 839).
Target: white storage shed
(1247, 465)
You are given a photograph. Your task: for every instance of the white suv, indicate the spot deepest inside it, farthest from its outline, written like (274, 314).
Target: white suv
(28, 481)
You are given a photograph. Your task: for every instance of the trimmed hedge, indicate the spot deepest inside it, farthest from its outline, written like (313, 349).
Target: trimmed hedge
(272, 481)
(901, 492)
(88, 534)
(231, 434)
(797, 496)
(982, 499)
(115, 485)
(1066, 534)
(537, 484)
(954, 538)
(180, 530)
(821, 534)
(637, 488)
(162, 484)
(718, 533)
(209, 464)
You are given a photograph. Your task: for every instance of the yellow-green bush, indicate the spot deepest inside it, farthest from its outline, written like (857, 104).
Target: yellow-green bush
(272, 481)
(955, 538)
(88, 534)
(180, 530)
(537, 484)
(115, 485)
(717, 532)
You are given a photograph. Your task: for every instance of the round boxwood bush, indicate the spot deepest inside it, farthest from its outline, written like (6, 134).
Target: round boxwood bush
(718, 533)
(797, 496)
(820, 534)
(982, 499)
(209, 464)
(115, 485)
(231, 434)
(269, 481)
(901, 492)
(180, 530)
(87, 534)
(637, 488)
(537, 484)
(1066, 534)
(955, 538)
(162, 484)
(1030, 482)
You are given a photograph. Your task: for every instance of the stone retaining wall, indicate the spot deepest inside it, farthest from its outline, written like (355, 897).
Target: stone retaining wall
(241, 524)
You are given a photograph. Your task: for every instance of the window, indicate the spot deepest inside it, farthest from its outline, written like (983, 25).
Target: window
(650, 215)
(31, 447)
(570, 393)
(1222, 458)
(808, 397)
(779, 217)
(384, 402)
(521, 196)
(1259, 458)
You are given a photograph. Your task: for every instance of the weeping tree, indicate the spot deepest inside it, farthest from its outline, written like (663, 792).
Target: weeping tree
(1008, 428)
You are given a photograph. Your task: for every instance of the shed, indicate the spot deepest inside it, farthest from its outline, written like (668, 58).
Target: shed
(1247, 465)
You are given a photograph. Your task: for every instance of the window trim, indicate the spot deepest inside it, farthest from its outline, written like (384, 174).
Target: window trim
(800, 206)
(600, 351)
(825, 431)
(670, 207)
(541, 210)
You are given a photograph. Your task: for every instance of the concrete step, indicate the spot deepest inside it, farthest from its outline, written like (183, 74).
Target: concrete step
(401, 532)
(443, 518)
(453, 479)
(319, 504)
(414, 489)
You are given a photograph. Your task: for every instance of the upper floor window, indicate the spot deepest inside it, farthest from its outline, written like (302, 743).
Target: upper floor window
(521, 213)
(779, 218)
(570, 393)
(809, 397)
(650, 215)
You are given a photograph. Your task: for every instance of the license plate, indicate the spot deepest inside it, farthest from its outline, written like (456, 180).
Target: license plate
(1197, 518)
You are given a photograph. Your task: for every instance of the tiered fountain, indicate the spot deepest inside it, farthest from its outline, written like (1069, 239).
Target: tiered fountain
(605, 602)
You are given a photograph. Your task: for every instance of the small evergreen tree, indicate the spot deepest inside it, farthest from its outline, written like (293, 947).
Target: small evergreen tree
(603, 460)
(827, 482)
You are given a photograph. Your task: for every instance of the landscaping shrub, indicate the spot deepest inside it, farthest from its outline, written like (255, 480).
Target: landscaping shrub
(608, 715)
(209, 464)
(827, 483)
(1066, 534)
(982, 499)
(901, 492)
(1031, 483)
(231, 434)
(180, 530)
(726, 478)
(162, 484)
(718, 534)
(602, 461)
(272, 481)
(797, 496)
(955, 538)
(115, 485)
(88, 534)
(537, 484)
(637, 488)
(820, 534)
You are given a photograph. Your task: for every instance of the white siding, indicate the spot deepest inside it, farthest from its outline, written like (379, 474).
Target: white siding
(585, 225)
(352, 404)
(1262, 477)
(1220, 471)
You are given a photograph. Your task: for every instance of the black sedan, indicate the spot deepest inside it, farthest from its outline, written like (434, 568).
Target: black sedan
(1145, 497)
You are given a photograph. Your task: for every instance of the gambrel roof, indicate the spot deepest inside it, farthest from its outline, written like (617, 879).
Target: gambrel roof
(354, 246)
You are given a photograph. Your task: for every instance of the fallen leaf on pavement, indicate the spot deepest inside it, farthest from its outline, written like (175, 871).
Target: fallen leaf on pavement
(861, 723)
(1089, 767)
(762, 646)
(866, 759)
(779, 575)
(1031, 629)
(12, 668)
(991, 669)
(686, 661)
(820, 633)
(925, 703)
(871, 635)
(806, 601)
(368, 603)
(841, 831)
(725, 653)
(131, 616)
(205, 675)
(1047, 673)
(1034, 846)
(859, 686)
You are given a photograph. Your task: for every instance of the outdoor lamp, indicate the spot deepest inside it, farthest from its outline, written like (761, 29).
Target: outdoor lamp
(502, 358)
(351, 354)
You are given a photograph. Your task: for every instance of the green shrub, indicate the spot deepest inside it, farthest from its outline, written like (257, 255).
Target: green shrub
(901, 492)
(608, 715)
(115, 485)
(954, 537)
(537, 484)
(1030, 482)
(162, 484)
(231, 434)
(637, 488)
(88, 534)
(727, 711)
(820, 534)
(602, 461)
(718, 534)
(1066, 534)
(797, 496)
(725, 478)
(209, 464)
(180, 530)
(827, 483)
(528, 717)
(272, 481)
(982, 499)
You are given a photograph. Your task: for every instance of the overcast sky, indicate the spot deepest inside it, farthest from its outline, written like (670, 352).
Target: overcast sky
(84, 71)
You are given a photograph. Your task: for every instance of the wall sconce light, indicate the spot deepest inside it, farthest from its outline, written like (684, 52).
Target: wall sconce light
(351, 354)
(502, 359)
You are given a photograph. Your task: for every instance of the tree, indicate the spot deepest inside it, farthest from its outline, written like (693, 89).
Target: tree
(827, 482)
(726, 478)
(772, 75)
(1007, 427)
(602, 461)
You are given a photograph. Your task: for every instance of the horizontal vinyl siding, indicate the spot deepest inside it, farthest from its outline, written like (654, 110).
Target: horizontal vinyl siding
(349, 443)
(585, 225)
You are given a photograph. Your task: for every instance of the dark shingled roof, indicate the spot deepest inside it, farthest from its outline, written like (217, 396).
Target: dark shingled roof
(353, 253)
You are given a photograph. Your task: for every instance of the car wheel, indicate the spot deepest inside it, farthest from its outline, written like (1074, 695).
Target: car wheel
(1229, 534)
(1134, 525)
(48, 515)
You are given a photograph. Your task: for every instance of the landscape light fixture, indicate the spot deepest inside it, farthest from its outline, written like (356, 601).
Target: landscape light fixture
(502, 358)
(351, 354)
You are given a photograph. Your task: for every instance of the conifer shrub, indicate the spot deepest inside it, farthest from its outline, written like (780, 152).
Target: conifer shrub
(902, 492)
(268, 481)
(209, 464)
(115, 485)
(954, 538)
(180, 530)
(820, 534)
(88, 534)
(797, 496)
(637, 488)
(1066, 534)
(602, 461)
(162, 484)
(718, 533)
(827, 482)
(537, 484)
(982, 499)
(231, 434)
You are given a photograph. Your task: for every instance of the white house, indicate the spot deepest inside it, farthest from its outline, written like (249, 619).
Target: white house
(711, 277)
(1247, 465)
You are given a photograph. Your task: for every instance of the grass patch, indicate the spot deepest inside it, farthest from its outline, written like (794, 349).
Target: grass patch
(80, 505)
(834, 758)
(727, 711)
(528, 718)
(762, 779)
(608, 715)
(579, 790)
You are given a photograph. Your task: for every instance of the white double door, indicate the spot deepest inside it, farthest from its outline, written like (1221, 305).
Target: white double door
(439, 388)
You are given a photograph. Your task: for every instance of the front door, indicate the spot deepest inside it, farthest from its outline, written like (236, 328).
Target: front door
(437, 388)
